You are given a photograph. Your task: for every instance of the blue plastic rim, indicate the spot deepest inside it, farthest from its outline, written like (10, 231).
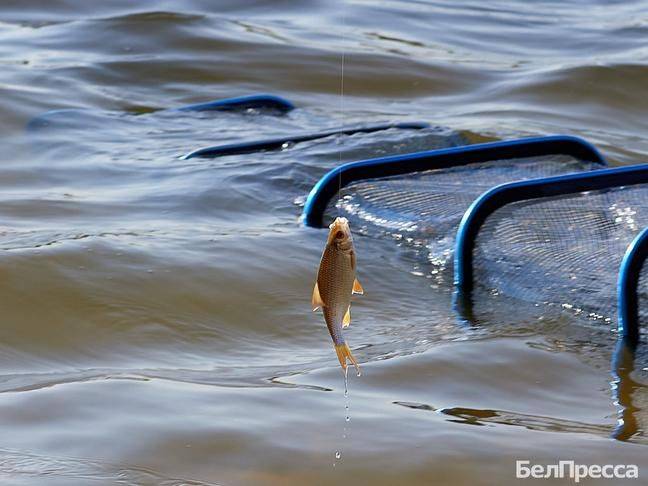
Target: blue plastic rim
(255, 101)
(341, 176)
(266, 102)
(627, 288)
(495, 198)
(278, 143)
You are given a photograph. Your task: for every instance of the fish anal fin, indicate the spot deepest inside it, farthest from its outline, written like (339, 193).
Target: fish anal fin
(344, 353)
(347, 318)
(316, 300)
(357, 288)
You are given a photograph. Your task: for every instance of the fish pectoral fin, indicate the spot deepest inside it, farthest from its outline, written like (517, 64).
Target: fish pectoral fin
(344, 353)
(357, 288)
(316, 301)
(347, 318)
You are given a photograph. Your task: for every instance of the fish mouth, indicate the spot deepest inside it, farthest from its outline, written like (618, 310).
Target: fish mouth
(340, 232)
(340, 223)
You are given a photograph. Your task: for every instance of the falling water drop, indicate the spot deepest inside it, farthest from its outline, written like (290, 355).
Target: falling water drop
(338, 453)
(347, 416)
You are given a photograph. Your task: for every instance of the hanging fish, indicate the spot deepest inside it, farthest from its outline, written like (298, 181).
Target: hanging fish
(336, 281)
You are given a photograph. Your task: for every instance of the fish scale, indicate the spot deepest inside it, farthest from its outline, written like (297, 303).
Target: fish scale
(335, 283)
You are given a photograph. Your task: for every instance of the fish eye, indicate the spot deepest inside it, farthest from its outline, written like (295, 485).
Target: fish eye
(339, 235)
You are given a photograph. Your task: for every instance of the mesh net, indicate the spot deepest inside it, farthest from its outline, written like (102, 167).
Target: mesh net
(564, 251)
(642, 291)
(424, 209)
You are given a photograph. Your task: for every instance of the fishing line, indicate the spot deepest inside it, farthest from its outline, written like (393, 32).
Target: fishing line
(338, 452)
(339, 202)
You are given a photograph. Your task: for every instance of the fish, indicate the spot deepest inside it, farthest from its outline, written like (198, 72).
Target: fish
(336, 282)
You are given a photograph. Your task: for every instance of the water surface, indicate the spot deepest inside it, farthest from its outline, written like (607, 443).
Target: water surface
(156, 322)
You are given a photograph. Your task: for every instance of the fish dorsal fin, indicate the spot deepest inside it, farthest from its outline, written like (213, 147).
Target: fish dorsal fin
(316, 300)
(357, 288)
(347, 318)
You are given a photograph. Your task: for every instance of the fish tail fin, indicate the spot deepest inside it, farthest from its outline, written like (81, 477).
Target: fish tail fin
(344, 353)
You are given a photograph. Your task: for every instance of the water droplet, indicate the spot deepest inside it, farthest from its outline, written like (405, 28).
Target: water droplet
(337, 454)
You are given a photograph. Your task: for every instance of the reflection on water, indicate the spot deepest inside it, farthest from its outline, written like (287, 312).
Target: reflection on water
(625, 390)
(470, 416)
(156, 327)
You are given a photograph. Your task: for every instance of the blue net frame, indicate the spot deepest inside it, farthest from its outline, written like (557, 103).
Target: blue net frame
(628, 288)
(507, 194)
(330, 184)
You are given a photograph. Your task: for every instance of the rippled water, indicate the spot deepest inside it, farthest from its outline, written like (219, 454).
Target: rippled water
(156, 322)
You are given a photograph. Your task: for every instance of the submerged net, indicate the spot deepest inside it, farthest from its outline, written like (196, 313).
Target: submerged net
(642, 300)
(563, 251)
(424, 209)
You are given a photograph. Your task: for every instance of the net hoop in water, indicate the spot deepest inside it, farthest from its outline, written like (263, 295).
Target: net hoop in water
(627, 288)
(330, 184)
(501, 196)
